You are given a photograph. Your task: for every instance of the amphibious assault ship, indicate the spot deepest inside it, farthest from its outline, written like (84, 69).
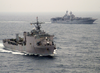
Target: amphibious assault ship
(71, 19)
(35, 42)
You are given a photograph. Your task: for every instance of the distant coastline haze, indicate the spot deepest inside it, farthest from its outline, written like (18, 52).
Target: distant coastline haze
(49, 5)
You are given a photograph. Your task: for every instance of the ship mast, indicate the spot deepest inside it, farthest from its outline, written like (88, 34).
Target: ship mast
(37, 24)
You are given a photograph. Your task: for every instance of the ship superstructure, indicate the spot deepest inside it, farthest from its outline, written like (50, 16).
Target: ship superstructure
(35, 42)
(71, 19)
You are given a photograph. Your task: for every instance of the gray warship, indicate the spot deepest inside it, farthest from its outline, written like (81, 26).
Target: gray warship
(35, 42)
(71, 19)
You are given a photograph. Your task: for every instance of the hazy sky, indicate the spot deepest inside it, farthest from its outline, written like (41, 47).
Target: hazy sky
(49, 5)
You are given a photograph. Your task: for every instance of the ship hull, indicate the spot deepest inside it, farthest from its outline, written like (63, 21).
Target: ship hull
(74, 21)
(44, 50)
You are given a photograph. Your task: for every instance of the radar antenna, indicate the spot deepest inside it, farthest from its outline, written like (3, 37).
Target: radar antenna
(37, 24)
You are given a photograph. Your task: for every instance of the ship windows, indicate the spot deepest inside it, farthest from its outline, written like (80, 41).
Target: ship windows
(39, 43)
(48, 49)
(52, 43)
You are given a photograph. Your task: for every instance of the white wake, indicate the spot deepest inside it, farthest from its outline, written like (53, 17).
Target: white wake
(8, 51)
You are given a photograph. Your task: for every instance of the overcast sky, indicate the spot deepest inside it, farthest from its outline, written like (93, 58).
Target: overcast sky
(49, 5)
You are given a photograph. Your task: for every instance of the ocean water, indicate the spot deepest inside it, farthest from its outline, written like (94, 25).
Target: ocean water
(78, 45)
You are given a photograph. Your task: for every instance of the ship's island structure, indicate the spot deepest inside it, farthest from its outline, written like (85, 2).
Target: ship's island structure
(35, 42)
(71, 19)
